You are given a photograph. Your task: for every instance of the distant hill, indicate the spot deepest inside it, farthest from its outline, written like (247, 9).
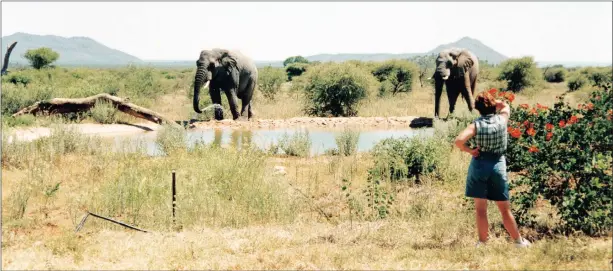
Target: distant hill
(79, 51)
(482, 51)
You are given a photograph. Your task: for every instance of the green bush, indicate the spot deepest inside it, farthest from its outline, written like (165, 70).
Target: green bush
(18, 78)
(295, 69)
(347, 142)
(270, 80)
(598, 77)
(335, 89)
(401, 159)
(295, 59)
(299, 144)
(41, 57)
(519, 73)
(395, 76)
(576, 81)
(104, 112)
(555, 75)
(563, 157)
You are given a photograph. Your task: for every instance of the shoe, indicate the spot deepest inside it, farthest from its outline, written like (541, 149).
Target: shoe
(522, 243)
(480, 244)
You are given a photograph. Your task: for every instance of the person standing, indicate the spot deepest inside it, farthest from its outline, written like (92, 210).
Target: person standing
(487, 173)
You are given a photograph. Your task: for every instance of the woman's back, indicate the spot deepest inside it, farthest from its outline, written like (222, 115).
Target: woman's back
(491, 134)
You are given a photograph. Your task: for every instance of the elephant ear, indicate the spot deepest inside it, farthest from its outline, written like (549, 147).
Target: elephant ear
(229, 62)
(465, 60)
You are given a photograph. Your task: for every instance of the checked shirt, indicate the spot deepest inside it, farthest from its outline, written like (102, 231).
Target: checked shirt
(491, 134)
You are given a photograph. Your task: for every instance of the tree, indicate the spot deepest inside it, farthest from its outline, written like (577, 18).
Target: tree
(426, 65)
(295, 69)
(519, 73)
(395, 76)
(295, 59)
(41, 57)
(270, 80)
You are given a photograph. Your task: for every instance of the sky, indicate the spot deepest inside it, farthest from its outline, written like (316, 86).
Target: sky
(561, 31)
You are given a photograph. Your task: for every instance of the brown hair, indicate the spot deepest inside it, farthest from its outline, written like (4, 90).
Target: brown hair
(485, 103)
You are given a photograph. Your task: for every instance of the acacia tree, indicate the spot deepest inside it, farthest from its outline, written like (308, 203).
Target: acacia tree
(295, 59)
(41, 57)
(426, 65)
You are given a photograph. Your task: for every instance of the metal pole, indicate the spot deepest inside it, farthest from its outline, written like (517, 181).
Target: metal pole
(174, 195)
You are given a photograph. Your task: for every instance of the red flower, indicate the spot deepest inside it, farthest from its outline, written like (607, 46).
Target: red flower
(515, 132)
(590, 106)
(533, 111)
(549, 135)
(526, 123)
(549, 126)
(524, 106)
(492, 91)
(531, 131)
(533, 149)
(562, 123)
(572, 120)
(580, 106)
(510, 96)
(540, 106)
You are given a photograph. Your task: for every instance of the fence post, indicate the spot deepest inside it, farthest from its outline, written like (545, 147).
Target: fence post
(174, 195)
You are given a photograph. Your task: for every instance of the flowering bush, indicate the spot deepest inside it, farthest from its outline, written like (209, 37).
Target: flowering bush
(563, 156)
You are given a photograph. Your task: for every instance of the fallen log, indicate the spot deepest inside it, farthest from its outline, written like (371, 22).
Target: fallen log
(66, 105)
(6, 58)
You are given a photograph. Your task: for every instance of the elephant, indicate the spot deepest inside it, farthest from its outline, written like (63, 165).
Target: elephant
(458, 69)
(230, 72)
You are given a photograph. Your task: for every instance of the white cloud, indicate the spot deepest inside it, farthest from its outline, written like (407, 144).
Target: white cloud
(273, 31)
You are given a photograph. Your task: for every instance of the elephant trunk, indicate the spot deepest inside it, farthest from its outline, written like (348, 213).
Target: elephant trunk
(200, 78)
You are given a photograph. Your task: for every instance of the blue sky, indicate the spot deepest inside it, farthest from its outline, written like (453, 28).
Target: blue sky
(560, 31)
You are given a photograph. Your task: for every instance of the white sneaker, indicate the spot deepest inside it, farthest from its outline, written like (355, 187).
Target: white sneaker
(522, 243)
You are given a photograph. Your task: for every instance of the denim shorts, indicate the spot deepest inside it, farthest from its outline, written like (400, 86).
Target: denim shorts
(487, 178)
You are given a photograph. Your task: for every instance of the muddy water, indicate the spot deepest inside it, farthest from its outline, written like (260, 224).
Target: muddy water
(321, 139)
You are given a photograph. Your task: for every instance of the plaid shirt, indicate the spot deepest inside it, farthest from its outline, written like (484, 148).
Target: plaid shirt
(491, 134)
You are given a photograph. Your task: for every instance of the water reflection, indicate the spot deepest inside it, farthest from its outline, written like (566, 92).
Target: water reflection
(321, 140)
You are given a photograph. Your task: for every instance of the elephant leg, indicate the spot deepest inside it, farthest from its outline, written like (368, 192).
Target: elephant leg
(452, 95)
(216, 99)
(467, 92)
(438, 91)
(249, 112)
(233, 101)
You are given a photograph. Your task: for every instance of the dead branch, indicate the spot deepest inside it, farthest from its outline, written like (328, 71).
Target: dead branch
(66, 105)
(6, 58)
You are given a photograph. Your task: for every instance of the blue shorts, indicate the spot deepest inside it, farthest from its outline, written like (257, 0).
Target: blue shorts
(487, 178)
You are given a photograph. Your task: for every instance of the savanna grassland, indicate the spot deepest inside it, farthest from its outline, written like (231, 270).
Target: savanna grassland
(400, 206)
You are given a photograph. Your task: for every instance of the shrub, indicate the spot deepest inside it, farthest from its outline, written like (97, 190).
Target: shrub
(295, 59)
(395, 76)
(19, 78)
(519, 73)
(347, 142)
(576, 81)
(41, 57)
(270, 80)
(299, 144)
(335, 89)
(555, 75)
(400, 159)
(104, 112)
(295, 69)
(563, 156)
(426, 65)
(598, 77)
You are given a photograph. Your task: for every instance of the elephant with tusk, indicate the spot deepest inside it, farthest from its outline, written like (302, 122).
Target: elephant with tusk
(229, 71)
(458, 69)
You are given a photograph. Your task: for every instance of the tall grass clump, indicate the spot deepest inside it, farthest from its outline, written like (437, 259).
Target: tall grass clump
(171, 140)
(217, 187)
(347, 142)
(335, 89)
(298, 144)
(407, 158)
(104, 112)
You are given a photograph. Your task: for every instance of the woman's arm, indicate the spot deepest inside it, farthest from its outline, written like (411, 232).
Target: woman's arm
(464, 136)
(504, 109)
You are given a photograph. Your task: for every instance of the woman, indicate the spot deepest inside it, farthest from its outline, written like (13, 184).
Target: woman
(487, 174)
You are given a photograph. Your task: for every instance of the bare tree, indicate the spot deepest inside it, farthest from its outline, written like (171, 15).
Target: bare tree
(6, 58)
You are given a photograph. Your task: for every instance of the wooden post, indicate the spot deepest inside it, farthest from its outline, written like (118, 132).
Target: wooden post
(174, 195)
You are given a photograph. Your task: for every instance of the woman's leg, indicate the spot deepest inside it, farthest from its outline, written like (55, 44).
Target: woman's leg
(507, 219)
(481, 215)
